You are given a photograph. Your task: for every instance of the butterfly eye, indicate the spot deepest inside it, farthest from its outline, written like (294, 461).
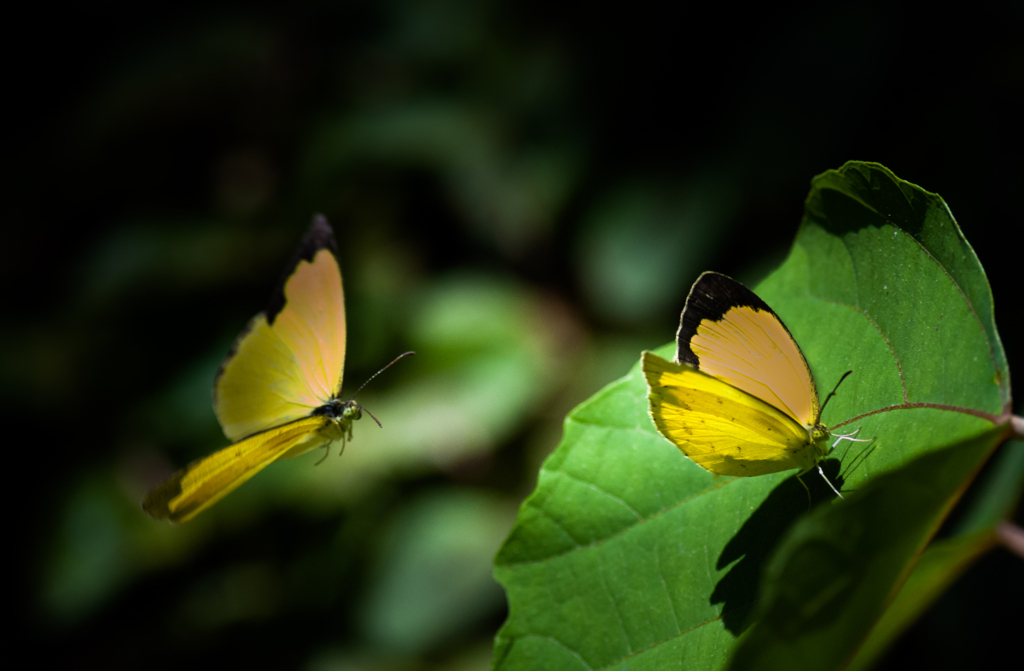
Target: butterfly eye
(353, 412)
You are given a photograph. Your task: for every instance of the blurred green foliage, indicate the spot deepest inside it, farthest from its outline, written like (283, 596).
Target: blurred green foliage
(522, 193)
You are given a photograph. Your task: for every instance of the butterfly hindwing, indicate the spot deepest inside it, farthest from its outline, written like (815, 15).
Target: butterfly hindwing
(720, 427)
(729, 333)
(202, 483)
(291, 357)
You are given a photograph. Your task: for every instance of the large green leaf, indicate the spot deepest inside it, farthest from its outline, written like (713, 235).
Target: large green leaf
(629, 555)
(945, 560)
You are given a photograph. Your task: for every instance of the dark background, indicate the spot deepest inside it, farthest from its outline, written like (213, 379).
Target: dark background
(575, 167)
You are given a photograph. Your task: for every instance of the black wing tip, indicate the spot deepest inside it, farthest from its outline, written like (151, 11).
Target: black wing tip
(319, 236)
(723, 292)
(156, 503)
(710, 297)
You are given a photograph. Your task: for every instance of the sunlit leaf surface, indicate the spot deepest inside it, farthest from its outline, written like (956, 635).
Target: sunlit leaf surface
(628, 555)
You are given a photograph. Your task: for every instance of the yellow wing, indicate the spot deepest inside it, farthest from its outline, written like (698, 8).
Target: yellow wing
(290, 359)
(728, 332)
(206, 481)
(722, 428)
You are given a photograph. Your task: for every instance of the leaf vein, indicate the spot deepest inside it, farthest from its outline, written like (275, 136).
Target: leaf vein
(977, 318)
(661, 642)
(615, 607)
(995, 419)
(594, 487)
(895, 357)
(556, 523)
(856, 281)
(601, 541)
(554, 640)
(668, 594)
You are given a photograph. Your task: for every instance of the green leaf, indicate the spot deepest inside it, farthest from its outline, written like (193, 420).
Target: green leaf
(629, 555)
(945, 560)
(999, 494)
(835, 571)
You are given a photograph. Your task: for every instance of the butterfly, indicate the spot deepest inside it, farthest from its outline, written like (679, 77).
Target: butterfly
(276, 394)
(739, 399)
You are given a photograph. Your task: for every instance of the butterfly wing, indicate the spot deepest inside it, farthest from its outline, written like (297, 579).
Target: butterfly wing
(729, 333)
(206, 481)
(722, 428)
(291, 357)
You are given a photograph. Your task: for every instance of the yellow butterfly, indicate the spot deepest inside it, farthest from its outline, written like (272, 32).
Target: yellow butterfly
(276, 393)
(739, 399)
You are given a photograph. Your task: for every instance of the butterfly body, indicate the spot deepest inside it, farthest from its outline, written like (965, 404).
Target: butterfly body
(338, 417)
(739, 399)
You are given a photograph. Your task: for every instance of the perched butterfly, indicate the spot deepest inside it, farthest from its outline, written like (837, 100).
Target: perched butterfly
(276, 393)
(739, 398)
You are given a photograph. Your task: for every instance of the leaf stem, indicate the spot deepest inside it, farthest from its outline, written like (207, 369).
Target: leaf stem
(1012, 536)
(1017, 424)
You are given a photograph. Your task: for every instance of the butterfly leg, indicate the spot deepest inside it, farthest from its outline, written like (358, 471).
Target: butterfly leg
(327, 452)
(806, 489)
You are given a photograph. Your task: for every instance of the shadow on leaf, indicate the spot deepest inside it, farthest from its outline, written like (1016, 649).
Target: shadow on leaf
(754, 542)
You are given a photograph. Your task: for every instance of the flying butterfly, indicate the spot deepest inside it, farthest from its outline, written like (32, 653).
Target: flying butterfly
(276, 394)
(739, 399)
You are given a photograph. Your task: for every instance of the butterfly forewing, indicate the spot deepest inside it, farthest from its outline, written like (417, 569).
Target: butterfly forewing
(729, 333)
(290, 359)
(312, 322)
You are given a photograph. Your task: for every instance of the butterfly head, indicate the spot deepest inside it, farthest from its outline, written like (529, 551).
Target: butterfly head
(345, 412)
(342, 412)
(819, 438)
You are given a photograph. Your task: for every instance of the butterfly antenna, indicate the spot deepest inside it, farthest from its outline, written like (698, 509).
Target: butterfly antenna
(400, 356)
(372, 417)
(827, 398)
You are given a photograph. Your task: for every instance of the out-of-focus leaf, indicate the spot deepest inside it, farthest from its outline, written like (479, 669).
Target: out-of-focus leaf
(102, 542)
(477, 658)
(640, 246)
(628, 554)
(182, 256)
(90, 557)
(179, 76)
(941, 564)
(946, 559)
(999, 494)
(182, 413)
(434, 574)
(509, 195)
(239, 593)
(835, 571)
